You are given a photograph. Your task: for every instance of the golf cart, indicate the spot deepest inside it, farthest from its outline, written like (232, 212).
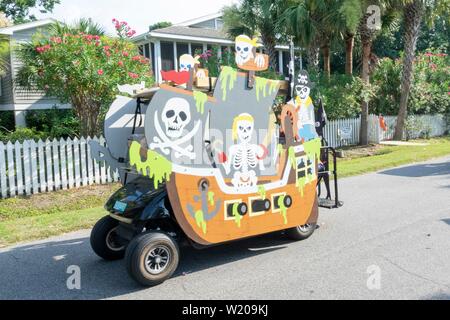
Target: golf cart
(207, 169)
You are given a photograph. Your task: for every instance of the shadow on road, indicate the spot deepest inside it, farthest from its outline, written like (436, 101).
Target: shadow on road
(447, 221)
(40, 271)
(420, 170)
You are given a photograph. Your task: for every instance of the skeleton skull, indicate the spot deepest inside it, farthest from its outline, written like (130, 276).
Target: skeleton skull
(244, 50)
(186, 62)
(302, 91)
(245, 130)
(175, 116)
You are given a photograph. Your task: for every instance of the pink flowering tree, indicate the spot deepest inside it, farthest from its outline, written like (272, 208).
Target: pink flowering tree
(83, 69)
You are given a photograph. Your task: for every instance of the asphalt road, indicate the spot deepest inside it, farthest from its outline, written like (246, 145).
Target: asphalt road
(393, 233)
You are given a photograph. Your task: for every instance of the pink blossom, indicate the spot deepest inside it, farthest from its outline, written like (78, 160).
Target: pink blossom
(125, 53)
(133, 75)
(100, 72)
(136, 58)
(121, 63)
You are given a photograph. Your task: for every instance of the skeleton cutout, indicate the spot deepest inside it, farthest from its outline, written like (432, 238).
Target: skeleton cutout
(246, 50)
(175, 116)
(304, 107)
(245, 157)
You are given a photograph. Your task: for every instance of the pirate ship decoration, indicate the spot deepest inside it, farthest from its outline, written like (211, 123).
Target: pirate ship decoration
(220, 158)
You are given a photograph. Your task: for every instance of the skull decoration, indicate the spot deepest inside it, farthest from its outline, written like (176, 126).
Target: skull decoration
(243, 128)
(175, 116)
(244, 49)
(187, 62)
(303, 85)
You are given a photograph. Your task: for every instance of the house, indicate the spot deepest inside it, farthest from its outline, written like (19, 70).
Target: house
(13, 97)
(164, 46)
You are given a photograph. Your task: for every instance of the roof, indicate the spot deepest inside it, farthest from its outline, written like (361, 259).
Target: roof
(199, 19)
(191, 32)
(26, 26)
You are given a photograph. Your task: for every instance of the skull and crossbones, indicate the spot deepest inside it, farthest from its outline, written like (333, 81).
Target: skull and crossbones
(175, 116)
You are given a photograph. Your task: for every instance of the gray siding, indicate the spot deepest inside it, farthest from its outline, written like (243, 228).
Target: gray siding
(22, 95)
(210, 24)
(7, 89)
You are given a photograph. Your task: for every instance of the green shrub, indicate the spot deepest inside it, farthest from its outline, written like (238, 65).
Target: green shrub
(21, 134)
(341, 95)
(54, 123)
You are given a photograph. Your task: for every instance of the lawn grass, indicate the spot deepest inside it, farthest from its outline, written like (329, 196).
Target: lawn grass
(392, 156)
(44, 226)
(44, 215)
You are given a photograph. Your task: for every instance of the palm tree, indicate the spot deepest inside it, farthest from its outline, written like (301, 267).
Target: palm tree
(414, 11)
(350, 11)
(254, 17)
(367, 32)
(84, 25)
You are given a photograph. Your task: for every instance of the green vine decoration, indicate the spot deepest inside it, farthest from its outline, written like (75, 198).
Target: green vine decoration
(156, 167)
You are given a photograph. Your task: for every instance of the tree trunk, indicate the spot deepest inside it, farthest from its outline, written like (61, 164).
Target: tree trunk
(313, 56)
(365, 76)
(349, 44)
(269, 45)
(326, 60)
(413, 13)
(87, 112)
(366, 35)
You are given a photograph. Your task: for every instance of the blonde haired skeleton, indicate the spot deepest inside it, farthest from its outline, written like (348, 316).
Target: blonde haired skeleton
(244, 156)
(246, 50)
(188, 62)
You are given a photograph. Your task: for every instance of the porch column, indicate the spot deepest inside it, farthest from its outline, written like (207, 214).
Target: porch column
(158, 61)
(190, 48)
(280, 61)
(175, 56)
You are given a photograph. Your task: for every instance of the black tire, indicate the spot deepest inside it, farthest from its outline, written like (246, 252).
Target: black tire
(142, 256)
(301, 232)
(103, 240)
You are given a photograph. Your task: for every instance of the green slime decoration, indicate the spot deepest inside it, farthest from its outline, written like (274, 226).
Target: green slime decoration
(200, 219)
(211, 198)
(156, 167)
(228, 78)
(292, 157)
(200, 100)
(283, 208)
(236, 215)
(262, 192)
(280, 149)
(261, 87)
(312, 147)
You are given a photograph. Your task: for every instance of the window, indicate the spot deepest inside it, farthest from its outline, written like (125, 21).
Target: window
(146, 51)
(167, 61)
(305, 168)
(286, 59)
(141, 50)
(182, 48)
(197, 48)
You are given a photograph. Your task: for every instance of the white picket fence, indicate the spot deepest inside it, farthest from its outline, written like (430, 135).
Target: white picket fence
(35, 167)
(345, 132)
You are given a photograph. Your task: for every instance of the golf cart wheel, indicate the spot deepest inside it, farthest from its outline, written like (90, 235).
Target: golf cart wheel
(152, 258)
(301, 232)
(104, 240)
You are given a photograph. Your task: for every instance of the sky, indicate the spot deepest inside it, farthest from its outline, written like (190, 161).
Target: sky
(140, 14)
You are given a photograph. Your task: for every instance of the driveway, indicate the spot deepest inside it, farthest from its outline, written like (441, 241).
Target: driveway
(391, 240)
